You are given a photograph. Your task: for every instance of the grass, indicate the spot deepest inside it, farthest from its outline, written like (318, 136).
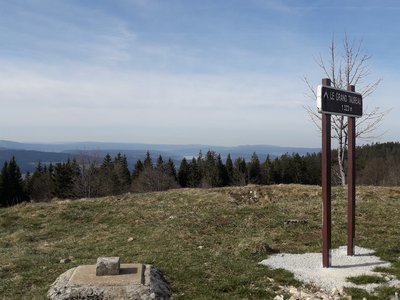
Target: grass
(366, 279)
(207, 242)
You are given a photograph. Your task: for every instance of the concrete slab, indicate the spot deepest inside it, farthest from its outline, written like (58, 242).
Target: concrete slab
(86, 275)
(135, 282)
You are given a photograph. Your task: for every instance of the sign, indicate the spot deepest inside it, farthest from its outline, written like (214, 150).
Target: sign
(339, 102)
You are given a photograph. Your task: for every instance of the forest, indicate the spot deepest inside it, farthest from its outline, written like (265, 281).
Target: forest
(88, 176)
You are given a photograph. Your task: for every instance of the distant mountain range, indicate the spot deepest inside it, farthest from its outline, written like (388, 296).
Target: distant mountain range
(29, 154)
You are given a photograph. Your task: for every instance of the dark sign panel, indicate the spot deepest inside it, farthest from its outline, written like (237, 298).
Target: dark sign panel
(339, 102)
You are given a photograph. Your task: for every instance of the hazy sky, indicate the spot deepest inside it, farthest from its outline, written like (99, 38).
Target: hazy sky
(182, 71)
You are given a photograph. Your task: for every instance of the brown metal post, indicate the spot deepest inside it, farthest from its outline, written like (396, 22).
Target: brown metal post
(351, 181)
(326, 185)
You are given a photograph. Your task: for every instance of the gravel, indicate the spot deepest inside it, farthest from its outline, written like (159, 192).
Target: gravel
(308, 268)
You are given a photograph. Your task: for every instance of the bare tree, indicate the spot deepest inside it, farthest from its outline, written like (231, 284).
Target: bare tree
(87, 184)
(347, 66)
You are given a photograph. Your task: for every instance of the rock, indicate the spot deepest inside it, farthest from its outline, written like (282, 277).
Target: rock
(130, 239)
(279, 297)
(65, 261)
(293, 290)
(145, 282)
(295, 222)
(107, 266)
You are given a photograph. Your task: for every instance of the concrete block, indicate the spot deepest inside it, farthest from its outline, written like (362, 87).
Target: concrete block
(107, 266)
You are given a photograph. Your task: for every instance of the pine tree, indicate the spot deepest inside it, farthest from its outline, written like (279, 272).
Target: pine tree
(195, 175)
(170, 169)
(160, 163)
(210, 173)
(183, 173)
(11, 184)
(254, 169)
(137, 169)
(40, 185)
(4, 185)
(266, 169)
(148, 163)
(121, 174)
(229, 169)
(240, 171)
(64, 177)
(222, 172)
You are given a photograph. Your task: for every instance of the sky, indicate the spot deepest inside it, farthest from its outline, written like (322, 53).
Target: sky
(212, 72)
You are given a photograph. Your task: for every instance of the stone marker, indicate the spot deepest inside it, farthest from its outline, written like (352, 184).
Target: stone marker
(133, 281)
(107, 266)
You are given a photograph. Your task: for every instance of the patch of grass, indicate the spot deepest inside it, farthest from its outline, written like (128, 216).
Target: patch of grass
(361, 294)
(207, 245)
(366, 279)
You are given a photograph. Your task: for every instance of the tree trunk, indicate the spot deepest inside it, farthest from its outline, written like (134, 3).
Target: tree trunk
(341, 151)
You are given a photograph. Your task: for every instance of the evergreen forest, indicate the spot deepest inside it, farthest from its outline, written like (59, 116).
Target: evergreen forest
(88, 176)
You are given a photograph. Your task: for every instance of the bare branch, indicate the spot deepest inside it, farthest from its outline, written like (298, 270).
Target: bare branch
(349, 68)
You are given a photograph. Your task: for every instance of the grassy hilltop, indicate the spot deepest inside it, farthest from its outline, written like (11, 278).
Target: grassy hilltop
(207, 241)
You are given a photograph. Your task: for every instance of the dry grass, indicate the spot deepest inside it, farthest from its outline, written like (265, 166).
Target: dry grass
(207, 242)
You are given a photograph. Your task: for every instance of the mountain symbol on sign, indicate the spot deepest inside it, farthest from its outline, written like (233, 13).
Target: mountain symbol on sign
(325, 95)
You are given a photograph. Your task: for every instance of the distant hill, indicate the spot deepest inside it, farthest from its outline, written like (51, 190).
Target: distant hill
(28, 159)
(29, 154)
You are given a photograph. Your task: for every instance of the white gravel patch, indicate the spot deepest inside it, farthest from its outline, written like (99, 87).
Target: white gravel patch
(308, 268)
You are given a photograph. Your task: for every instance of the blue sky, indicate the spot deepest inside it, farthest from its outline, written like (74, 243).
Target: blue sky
(167, 71)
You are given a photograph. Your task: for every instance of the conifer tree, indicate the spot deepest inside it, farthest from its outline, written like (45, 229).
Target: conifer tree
(160, 163)
(108, 179)
(266, 169)
(148, 163)
(170, 169)
(183, 173)
(4, 185)
(64, 177)
(210, 172)
(222, 172)
(121, 174)
(254, 169)
(195, 175)
(137, 169)
(229, 169)
(240, 171)
(11, 184)
(40, 185)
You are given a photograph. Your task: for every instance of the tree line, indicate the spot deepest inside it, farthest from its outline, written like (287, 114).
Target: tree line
(87, 176)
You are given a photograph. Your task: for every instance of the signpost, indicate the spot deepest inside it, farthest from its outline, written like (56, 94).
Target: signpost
(339, 102)
(346, 103)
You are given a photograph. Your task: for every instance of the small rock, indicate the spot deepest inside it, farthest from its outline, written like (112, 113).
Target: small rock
(295, 222)
(130, 239)
(270, 279)
(293, 290)
(334, 292)
(200, 247)
(279, 297)
(340, 291)
(65, 261)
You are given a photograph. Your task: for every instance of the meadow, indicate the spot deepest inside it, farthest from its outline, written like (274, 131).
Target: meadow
(207, 242)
